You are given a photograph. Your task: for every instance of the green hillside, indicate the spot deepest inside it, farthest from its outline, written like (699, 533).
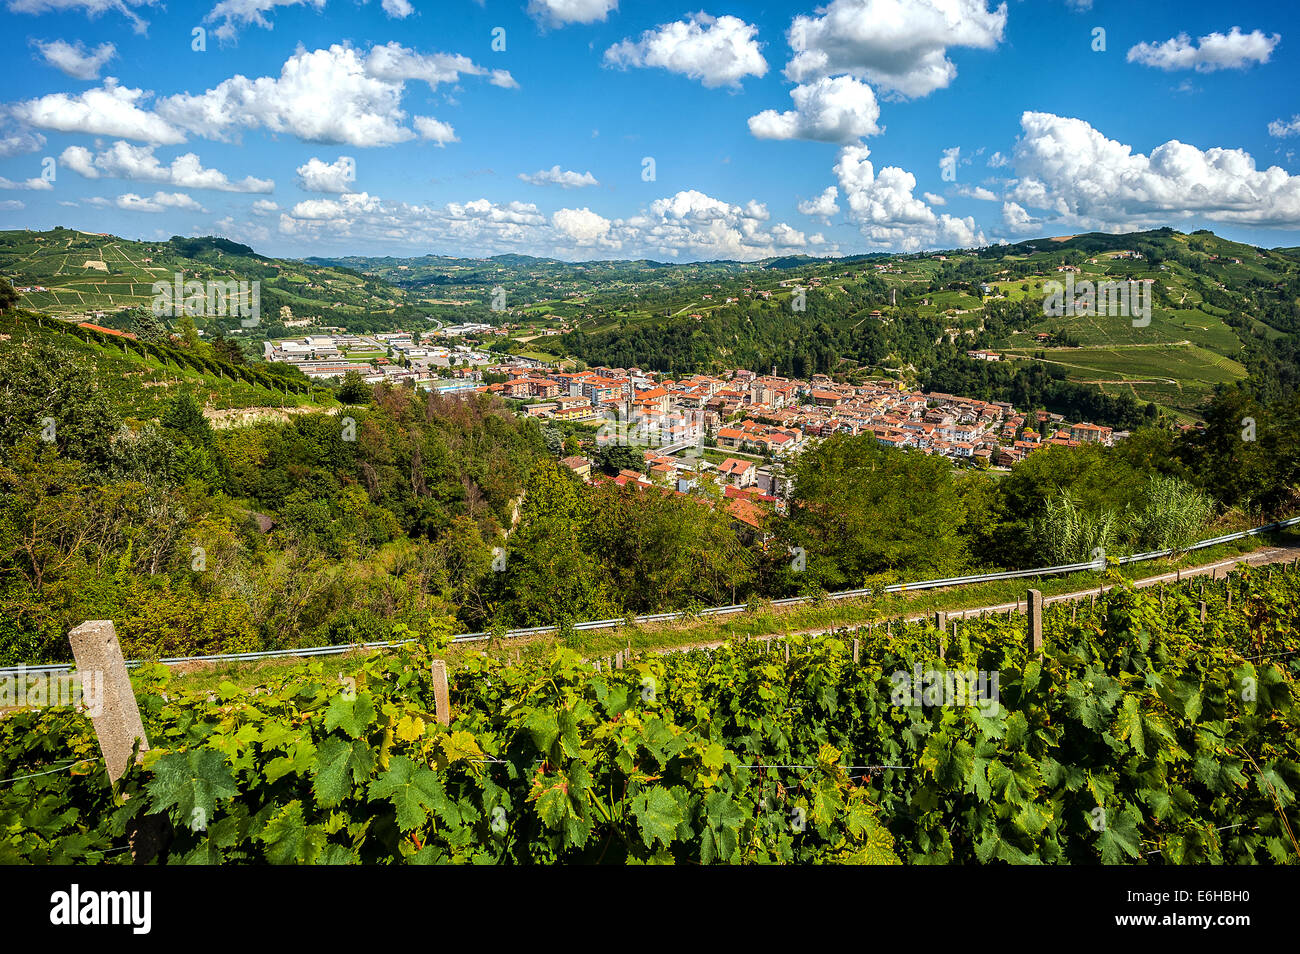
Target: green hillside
(86, 273)
(141, 377)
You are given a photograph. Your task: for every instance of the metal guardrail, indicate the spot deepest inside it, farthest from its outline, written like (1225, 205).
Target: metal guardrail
(309, 651)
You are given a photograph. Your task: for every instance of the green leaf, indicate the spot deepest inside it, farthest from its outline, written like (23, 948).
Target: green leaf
(289, 840)
(413, 790)
(658, 814)
(353, 715)
(191, 782)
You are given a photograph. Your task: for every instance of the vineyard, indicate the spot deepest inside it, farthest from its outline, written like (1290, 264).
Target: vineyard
(1155, 726)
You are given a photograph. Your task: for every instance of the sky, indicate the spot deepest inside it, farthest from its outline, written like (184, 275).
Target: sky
(615, 129)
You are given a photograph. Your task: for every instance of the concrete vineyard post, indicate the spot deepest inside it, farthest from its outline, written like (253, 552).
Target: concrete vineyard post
(118, 726)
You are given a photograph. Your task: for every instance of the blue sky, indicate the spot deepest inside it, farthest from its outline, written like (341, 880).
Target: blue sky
(402, 127)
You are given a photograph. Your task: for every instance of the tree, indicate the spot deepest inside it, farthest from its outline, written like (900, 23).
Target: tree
(858, 509)
(183, 415)
(49, 392)
(551, 567)
(354, 389)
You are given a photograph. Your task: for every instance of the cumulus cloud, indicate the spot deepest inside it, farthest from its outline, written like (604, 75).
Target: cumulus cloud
(560, 12)
(233, 14)
(687, 224)
(717, 51)
(1017, 219)
(395, 63)
(125, 161)
(1281, 128)
(1216, 51)
(398, 9)
(36, 184)
(435, 130)
(823, 206)
(565, 178)
(1066, 166)
(317, 175)
(582, 226)
(158, 202)
(883, 207)
(75, 60)
(265, 207)
(325, 95)
(898, 46)
(933, 199)
(17, 142)
(976, 192)
(333, 95)
(109, 110)
(92, 8)
(330, 210)
(838, 109)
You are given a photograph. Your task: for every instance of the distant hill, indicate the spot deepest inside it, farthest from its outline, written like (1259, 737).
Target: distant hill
(80, 274)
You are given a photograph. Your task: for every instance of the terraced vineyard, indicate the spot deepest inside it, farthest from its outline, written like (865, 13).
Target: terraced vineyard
(1140, 734)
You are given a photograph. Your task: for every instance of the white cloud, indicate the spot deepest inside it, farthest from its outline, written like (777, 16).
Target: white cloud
(125, 161)
(12, 205)
(822, 207)
(1017, 219)
(1280, 128)
(76, 61)
(889, 215)
(316, 175)
(934, 199)
(264, 207)
(19, 142)
(233, 14)
(35, 184)
(1216, 51)
(566, 179)
(976, 192)
(158, 202)
(1066, 166)
(560, 12)
(899, 45)
(784, 236)
(325, 95)
(435, 130)
(93, 8)
(398, 9)
(332, 95)
(109, 110)
(329, 210)
(839, 109)
(717, 51)
(395, 63)
(687, 224)
(998, 161)
(583, 226)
